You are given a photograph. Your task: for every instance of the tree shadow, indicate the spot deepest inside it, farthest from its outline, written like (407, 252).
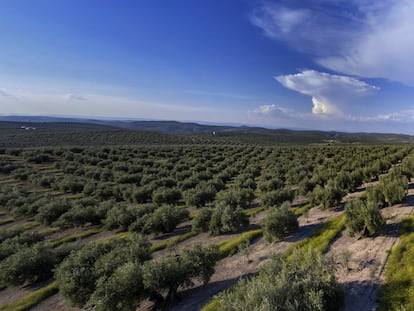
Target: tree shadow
(176, 232)
(360, 295)
(302, 233)
(339, 208)
(37, 285)
(360, 189)
(409, 200)
(243, 229)
(195, 298)
(300, 204)
(391, 230)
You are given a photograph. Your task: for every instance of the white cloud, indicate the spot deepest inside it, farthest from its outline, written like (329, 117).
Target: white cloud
(384, 49)
(272, 110)
(359, 37)
(72, 96)
(331, 94)
(305, 25)
(276, 116)
(277, 21)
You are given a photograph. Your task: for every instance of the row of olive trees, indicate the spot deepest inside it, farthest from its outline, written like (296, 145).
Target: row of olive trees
(118, 277)
(363, 216)
(304, 282)
(27, 258)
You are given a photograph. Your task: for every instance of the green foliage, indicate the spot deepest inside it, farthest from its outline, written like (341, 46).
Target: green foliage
(123, 290)
(82, 271)
(287, 285)
(230, 247)
(27, 265)
(167, 274)
(276, 197)
(279, 222)
(117, 178)
(172, 241)
(253, 211)
(375, 196)
(200, 195)
(165, 219)
(328, 196)
(7, 220)
(320, 239)
(236, 197)
(164, 274)
(302, 210)
(393, 187)
(363, 218)
(76, 275)
(32, 299)
(407, 226)
(213, 305)
(227, 219)
(199, 261)
(269, 185)
(74, 236)
(201, 220)
(397, 292)
(16, 243)
(119, 217)
(10, 233)
(166, 195)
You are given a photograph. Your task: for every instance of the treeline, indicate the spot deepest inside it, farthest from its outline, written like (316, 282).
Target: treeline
(363, 215)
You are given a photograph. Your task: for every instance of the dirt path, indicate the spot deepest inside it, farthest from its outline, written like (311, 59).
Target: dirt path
(55, 302)
(361, 262)
(229, 270)
(8, 295)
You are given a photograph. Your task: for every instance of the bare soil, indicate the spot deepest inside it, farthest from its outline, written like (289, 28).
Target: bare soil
(55, 302)
(8, 295)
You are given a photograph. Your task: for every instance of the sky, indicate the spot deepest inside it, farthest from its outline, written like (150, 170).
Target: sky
(343, 65)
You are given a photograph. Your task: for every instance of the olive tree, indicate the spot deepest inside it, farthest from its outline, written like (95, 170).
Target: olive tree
(362, 218)
(279, 222)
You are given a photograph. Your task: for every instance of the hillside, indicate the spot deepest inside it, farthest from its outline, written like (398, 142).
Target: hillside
(48, 131)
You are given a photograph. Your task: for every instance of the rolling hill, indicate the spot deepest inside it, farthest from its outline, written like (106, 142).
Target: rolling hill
(20, 131)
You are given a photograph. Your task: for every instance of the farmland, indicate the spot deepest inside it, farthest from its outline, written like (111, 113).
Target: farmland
(169, 225)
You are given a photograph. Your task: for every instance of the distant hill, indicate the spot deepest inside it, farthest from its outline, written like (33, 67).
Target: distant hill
(31, 131)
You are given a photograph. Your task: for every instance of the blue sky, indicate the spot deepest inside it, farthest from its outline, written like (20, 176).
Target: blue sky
(317, 64)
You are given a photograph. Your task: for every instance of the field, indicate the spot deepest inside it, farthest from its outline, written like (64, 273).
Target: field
(158, 223)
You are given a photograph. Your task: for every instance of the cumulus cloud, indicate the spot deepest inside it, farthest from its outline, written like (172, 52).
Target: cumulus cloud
(331, 94)
(272, 109)
(72, 96)
(363, 38)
